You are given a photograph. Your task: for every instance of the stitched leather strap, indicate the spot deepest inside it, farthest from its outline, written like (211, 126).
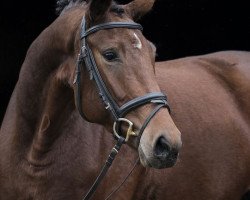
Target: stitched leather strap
(110, 25)
(105, 168)
(86, 55)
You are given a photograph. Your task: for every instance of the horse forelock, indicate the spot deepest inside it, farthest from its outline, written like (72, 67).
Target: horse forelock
(62, 5)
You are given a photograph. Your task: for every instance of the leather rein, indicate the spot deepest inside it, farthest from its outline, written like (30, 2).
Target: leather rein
(118, 112)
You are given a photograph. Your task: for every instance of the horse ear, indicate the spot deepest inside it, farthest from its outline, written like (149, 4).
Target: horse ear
(97, 9)
(138, 8)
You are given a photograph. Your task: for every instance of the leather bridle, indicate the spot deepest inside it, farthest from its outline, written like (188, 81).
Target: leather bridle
(118, 112)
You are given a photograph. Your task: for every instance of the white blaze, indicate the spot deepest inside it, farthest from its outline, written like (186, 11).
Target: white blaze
(138, 43)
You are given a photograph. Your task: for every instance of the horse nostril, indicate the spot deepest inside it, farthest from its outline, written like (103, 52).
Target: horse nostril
(162, 148)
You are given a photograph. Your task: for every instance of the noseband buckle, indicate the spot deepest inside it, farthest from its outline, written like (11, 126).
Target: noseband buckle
(129, 131)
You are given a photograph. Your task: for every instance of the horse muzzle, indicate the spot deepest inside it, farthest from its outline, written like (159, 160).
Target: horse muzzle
(160, 155)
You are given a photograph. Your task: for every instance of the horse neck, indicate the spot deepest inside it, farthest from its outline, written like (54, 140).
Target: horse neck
(41, 103)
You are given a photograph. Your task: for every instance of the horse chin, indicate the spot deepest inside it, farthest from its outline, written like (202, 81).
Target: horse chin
(151, 161)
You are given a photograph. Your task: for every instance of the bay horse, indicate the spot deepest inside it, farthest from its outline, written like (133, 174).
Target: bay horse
(49, 151)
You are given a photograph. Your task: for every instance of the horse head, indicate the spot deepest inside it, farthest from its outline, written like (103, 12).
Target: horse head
(116, 67)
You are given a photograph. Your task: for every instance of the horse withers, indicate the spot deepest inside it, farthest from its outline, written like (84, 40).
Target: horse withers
(92, 50)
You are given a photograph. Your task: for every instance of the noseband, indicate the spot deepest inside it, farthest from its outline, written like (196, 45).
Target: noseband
(118, 112)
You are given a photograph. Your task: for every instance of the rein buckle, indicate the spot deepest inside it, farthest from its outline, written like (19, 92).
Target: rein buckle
(129, 131)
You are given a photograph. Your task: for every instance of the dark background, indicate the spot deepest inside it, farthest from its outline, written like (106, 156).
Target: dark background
(177, 28)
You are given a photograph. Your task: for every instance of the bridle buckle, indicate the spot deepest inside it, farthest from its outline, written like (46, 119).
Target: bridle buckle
(130, 131)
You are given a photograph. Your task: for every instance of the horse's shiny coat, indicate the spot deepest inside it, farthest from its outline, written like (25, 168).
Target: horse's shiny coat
(47, 151)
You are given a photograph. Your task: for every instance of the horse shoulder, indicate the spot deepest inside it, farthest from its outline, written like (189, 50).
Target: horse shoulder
(230, 68)
(210, 100)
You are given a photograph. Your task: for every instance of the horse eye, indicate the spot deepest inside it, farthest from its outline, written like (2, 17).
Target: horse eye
(110, 55)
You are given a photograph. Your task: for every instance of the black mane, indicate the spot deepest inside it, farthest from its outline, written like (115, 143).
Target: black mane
(62, 5)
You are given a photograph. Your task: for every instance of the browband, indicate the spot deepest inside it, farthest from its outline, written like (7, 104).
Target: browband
(109, 25)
